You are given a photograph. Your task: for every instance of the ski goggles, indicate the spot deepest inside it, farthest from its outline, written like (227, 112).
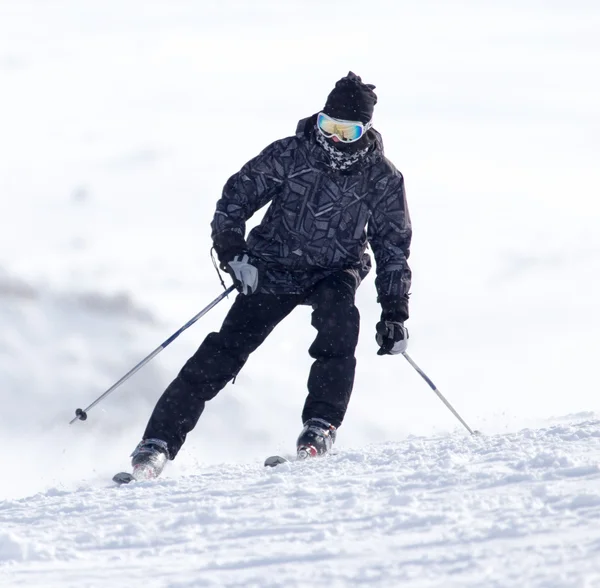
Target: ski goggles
(346, 131)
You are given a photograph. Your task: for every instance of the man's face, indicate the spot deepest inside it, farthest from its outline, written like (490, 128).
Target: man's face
(339, 130)
(347, 136)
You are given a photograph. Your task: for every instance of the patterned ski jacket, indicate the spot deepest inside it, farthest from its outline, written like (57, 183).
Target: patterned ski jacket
(319, 220)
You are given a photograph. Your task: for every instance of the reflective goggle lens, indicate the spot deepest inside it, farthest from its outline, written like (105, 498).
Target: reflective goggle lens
(344, 130)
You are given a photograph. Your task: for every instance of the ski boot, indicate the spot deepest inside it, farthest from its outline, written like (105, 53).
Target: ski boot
(316, 438)
(149, 459)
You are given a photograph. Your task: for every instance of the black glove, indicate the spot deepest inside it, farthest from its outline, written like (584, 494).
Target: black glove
(392, 337)
(228, 245)
(244, 273)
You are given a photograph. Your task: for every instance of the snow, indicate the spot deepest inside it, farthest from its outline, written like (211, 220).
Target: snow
(120, 122)
(513, 509)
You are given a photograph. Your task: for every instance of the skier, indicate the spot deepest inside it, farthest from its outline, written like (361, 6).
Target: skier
(331, 192)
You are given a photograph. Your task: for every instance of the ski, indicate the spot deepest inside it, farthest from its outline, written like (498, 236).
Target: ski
(303, 453)
(275, 460)
(123, 478)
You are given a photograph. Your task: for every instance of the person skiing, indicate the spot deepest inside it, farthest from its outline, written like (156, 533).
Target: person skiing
(332, 192)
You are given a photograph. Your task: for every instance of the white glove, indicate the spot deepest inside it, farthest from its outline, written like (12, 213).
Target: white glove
(392, 337)
(243, 273)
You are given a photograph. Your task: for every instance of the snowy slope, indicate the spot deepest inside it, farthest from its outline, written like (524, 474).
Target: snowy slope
(120, 123)
(507, 510)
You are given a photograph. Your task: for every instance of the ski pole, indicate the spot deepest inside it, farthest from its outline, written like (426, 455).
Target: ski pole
(440, 395)
(81, 414)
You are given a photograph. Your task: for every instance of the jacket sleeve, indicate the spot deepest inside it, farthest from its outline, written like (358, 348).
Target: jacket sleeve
(389, 232)
(244, 193)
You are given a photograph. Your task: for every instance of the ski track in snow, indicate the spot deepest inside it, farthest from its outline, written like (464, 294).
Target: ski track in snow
(519, 509)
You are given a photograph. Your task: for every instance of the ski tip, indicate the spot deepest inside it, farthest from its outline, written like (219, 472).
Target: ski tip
(123, 478)
(275, 460)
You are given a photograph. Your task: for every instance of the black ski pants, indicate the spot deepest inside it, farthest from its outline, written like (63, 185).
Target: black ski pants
(248, 323)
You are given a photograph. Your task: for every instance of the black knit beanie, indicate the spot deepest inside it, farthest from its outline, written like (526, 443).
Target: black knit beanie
(351, 100)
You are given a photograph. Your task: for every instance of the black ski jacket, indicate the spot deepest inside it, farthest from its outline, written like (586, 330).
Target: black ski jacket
(320, 220)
